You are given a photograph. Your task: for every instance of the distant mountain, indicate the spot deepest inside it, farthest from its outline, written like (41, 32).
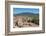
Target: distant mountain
(25, 14)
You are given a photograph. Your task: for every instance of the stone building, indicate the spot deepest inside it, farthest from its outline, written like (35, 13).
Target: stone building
(20, 21)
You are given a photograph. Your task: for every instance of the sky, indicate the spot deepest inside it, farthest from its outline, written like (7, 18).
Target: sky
(25, 10)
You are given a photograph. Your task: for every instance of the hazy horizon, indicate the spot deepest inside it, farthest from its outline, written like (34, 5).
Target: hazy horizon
(25, 10)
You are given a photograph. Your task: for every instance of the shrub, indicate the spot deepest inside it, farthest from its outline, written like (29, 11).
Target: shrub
(35, 20)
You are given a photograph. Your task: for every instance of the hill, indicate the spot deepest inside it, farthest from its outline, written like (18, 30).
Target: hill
(25, 14)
